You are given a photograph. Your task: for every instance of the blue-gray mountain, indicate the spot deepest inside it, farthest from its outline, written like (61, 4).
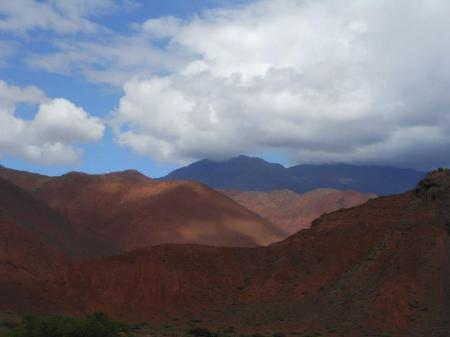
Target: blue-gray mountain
(255, 174)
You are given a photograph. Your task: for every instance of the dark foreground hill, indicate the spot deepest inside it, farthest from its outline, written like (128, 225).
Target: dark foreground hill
(35, 241)
(380, 269)
(255, 174)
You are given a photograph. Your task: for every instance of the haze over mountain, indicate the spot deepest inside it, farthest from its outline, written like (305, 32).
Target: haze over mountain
(291, 211)
(382, 268)
(254, 174)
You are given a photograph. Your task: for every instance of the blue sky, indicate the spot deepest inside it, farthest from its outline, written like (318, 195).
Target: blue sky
(106, 85)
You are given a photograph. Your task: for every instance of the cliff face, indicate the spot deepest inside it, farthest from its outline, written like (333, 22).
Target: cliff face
(383, 267)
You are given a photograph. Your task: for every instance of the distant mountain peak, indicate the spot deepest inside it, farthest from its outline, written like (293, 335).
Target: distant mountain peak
(255, 174)
(243, 157)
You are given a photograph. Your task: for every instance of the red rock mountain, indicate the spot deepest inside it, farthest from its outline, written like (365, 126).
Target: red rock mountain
(25, 180)
(291, 211)
(24, 212)
(127, 210)
(382, 268)
(379, 269)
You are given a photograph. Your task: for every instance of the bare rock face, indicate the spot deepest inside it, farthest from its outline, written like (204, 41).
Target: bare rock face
(435, 187)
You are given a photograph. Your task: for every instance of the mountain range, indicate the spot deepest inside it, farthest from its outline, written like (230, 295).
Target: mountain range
(82, 243)
(254, 174)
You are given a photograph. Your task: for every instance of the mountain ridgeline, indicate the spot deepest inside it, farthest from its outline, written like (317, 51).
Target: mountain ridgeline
(126, 210)
(378, 269)
(255, 174)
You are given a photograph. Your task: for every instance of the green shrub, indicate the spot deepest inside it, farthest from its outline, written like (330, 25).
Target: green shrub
(200, 332)
(9, 324)
(279, 334)
(96, 325)
(258, 335)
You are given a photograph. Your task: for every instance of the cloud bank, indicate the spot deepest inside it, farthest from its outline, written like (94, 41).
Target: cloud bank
(357, 81)
(316, 81)
(51, 136)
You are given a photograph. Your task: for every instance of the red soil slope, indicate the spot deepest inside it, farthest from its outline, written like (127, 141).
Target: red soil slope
(32, 215)
(382, 268)
(131, 211)
(291, 211)
(29, 248)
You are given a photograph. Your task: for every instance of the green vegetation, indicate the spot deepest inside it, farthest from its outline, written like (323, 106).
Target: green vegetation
(227, 332)
(100, 325)
(200, 332)
(96, 325)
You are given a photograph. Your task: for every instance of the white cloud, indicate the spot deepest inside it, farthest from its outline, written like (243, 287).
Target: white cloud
(161, 28)
(51, 136)
(61, 120)
(360, 81)
(113, 60)
(11, 95)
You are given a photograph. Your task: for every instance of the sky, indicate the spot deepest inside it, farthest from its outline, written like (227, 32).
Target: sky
(103, 85)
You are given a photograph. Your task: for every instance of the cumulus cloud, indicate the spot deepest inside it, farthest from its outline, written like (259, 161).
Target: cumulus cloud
(361, 81)
(50, 136)
(11, 95)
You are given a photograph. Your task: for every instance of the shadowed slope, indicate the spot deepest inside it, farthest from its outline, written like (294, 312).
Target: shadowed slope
(25, 180)
(291, 211)
(32, 246)
(20, 208)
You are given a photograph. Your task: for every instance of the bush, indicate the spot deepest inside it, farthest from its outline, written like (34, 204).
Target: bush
(9, 324)
(200, 332)
(258, 335)
(96, 325)
(279, 334)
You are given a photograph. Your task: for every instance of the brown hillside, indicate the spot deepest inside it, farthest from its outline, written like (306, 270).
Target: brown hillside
(291, 211)
(25, 180)
(35, 217)
(31, 248)
(131, 211)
